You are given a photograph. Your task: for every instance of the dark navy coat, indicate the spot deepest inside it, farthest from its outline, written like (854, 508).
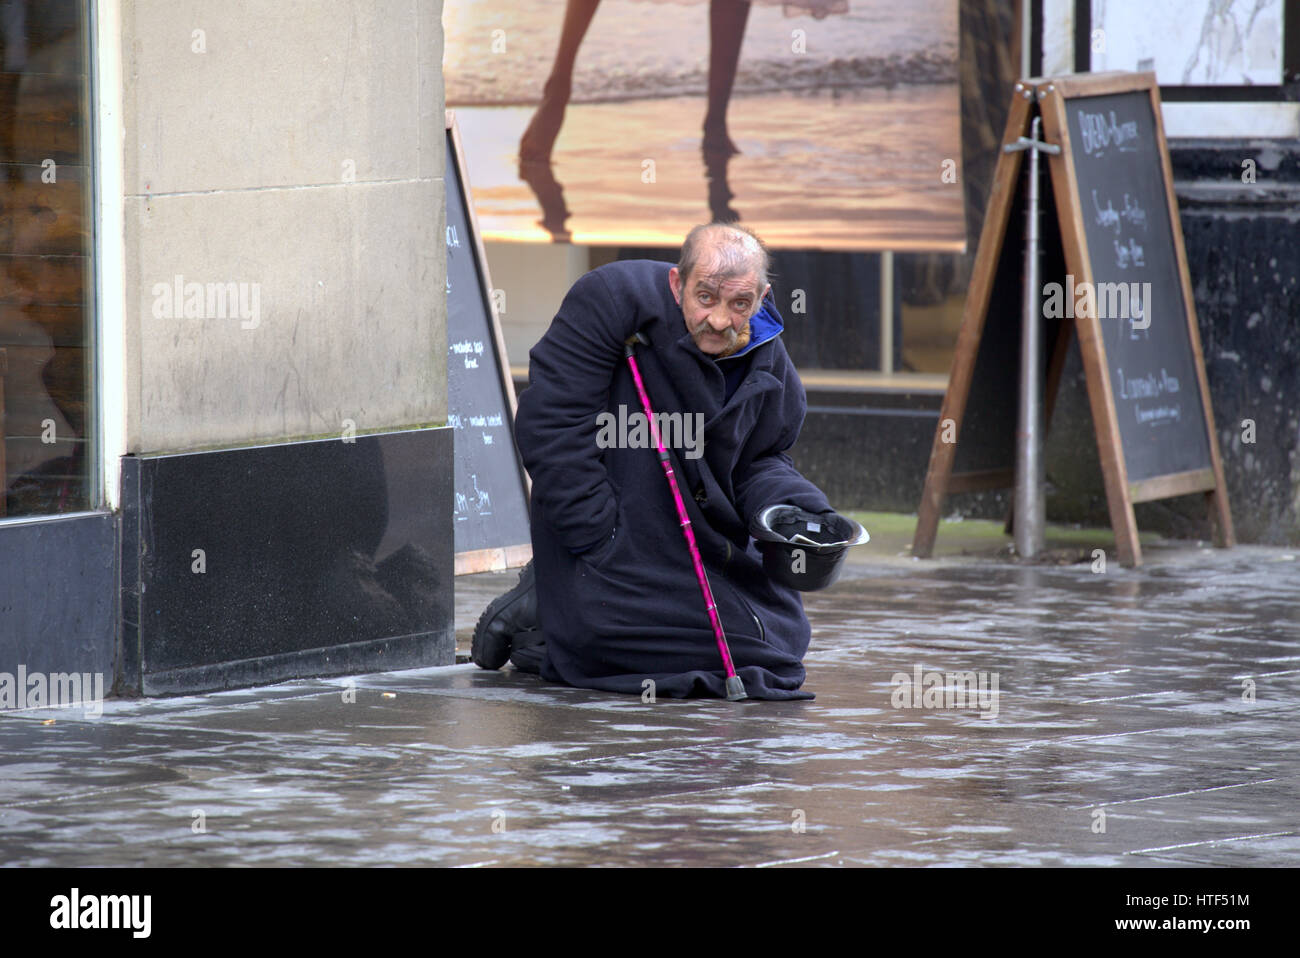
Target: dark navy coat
(618, 600)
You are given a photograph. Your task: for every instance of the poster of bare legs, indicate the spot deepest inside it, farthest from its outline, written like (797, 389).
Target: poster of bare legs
(822, 124)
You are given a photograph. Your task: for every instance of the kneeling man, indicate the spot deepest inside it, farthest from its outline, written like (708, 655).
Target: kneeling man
(611, 598)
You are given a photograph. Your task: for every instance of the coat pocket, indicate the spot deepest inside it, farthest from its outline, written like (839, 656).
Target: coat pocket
(600, 554)
(749, 618)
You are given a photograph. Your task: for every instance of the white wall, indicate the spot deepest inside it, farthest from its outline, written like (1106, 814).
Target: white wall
(295, 149)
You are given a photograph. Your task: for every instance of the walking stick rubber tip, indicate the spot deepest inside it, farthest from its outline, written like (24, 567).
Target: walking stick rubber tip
(735, 689)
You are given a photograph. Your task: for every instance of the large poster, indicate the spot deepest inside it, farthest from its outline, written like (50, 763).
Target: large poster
(822, 124)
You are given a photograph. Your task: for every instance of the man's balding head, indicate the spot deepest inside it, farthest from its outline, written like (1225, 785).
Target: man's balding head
(724, 251)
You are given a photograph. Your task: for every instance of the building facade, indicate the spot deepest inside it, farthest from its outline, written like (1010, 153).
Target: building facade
(222, 340)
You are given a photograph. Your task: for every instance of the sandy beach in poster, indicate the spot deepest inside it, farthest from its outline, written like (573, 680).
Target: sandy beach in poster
(844, 122)
(854, 169)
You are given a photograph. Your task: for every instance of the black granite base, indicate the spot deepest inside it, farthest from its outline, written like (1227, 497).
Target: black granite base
(257, 565)
(868, 450)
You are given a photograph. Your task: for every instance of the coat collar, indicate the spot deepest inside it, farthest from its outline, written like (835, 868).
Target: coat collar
(765, 326)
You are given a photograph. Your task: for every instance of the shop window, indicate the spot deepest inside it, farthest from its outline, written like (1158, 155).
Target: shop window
(46, 264)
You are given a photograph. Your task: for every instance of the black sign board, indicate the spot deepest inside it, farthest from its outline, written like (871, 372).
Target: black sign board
(490, 510)
(1137, 285)
(1116, 273)
(988, 447)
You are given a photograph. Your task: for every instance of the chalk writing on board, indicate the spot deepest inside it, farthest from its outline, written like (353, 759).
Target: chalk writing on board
(1151, 386)
(1099, 133)
(483, 501)
(1148, 386)
(1134, 213)
(1157, 415)
(469, 351)
(478, 503)
(1130, 254)
(457, 421)
(1108, 217)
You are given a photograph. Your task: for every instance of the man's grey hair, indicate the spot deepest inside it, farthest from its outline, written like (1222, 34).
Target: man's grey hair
(727, 250)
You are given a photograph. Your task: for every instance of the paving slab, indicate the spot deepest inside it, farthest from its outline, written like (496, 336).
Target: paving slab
(1143, 718)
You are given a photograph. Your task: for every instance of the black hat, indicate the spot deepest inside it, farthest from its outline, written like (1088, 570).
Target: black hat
(804, 550)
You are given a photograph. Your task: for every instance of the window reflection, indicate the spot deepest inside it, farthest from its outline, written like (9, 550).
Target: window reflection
(45, 257)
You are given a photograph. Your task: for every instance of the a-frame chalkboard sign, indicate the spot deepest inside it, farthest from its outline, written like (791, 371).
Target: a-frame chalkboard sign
(1116, 273)
(490, 510)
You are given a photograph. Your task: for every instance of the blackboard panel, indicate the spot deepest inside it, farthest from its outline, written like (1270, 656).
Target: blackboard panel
(988, 431)
(490, 505)
(1123, 200)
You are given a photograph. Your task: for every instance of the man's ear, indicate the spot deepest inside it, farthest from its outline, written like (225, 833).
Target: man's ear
(675, 284)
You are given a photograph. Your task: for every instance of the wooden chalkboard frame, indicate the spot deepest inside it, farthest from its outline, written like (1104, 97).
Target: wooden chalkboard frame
(1051, 96)
(1120, 493)
(517, 554)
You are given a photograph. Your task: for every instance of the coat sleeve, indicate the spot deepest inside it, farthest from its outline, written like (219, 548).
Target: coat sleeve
(771, 478)
(570, 371)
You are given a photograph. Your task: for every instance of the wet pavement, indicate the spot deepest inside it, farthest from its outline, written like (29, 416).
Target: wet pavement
(1142, 718)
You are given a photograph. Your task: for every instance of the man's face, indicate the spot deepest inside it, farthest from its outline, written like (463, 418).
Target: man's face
(717, 312)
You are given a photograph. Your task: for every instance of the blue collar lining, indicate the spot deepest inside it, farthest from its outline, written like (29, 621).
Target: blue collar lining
(765, 325)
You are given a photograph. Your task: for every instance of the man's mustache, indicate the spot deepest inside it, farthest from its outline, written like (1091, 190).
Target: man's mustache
(729, 332)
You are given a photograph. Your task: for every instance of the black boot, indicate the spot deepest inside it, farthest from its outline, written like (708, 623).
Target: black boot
(516, 611)
(527, 651)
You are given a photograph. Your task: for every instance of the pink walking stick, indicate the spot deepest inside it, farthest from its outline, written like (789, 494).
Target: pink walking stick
(735, 687)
